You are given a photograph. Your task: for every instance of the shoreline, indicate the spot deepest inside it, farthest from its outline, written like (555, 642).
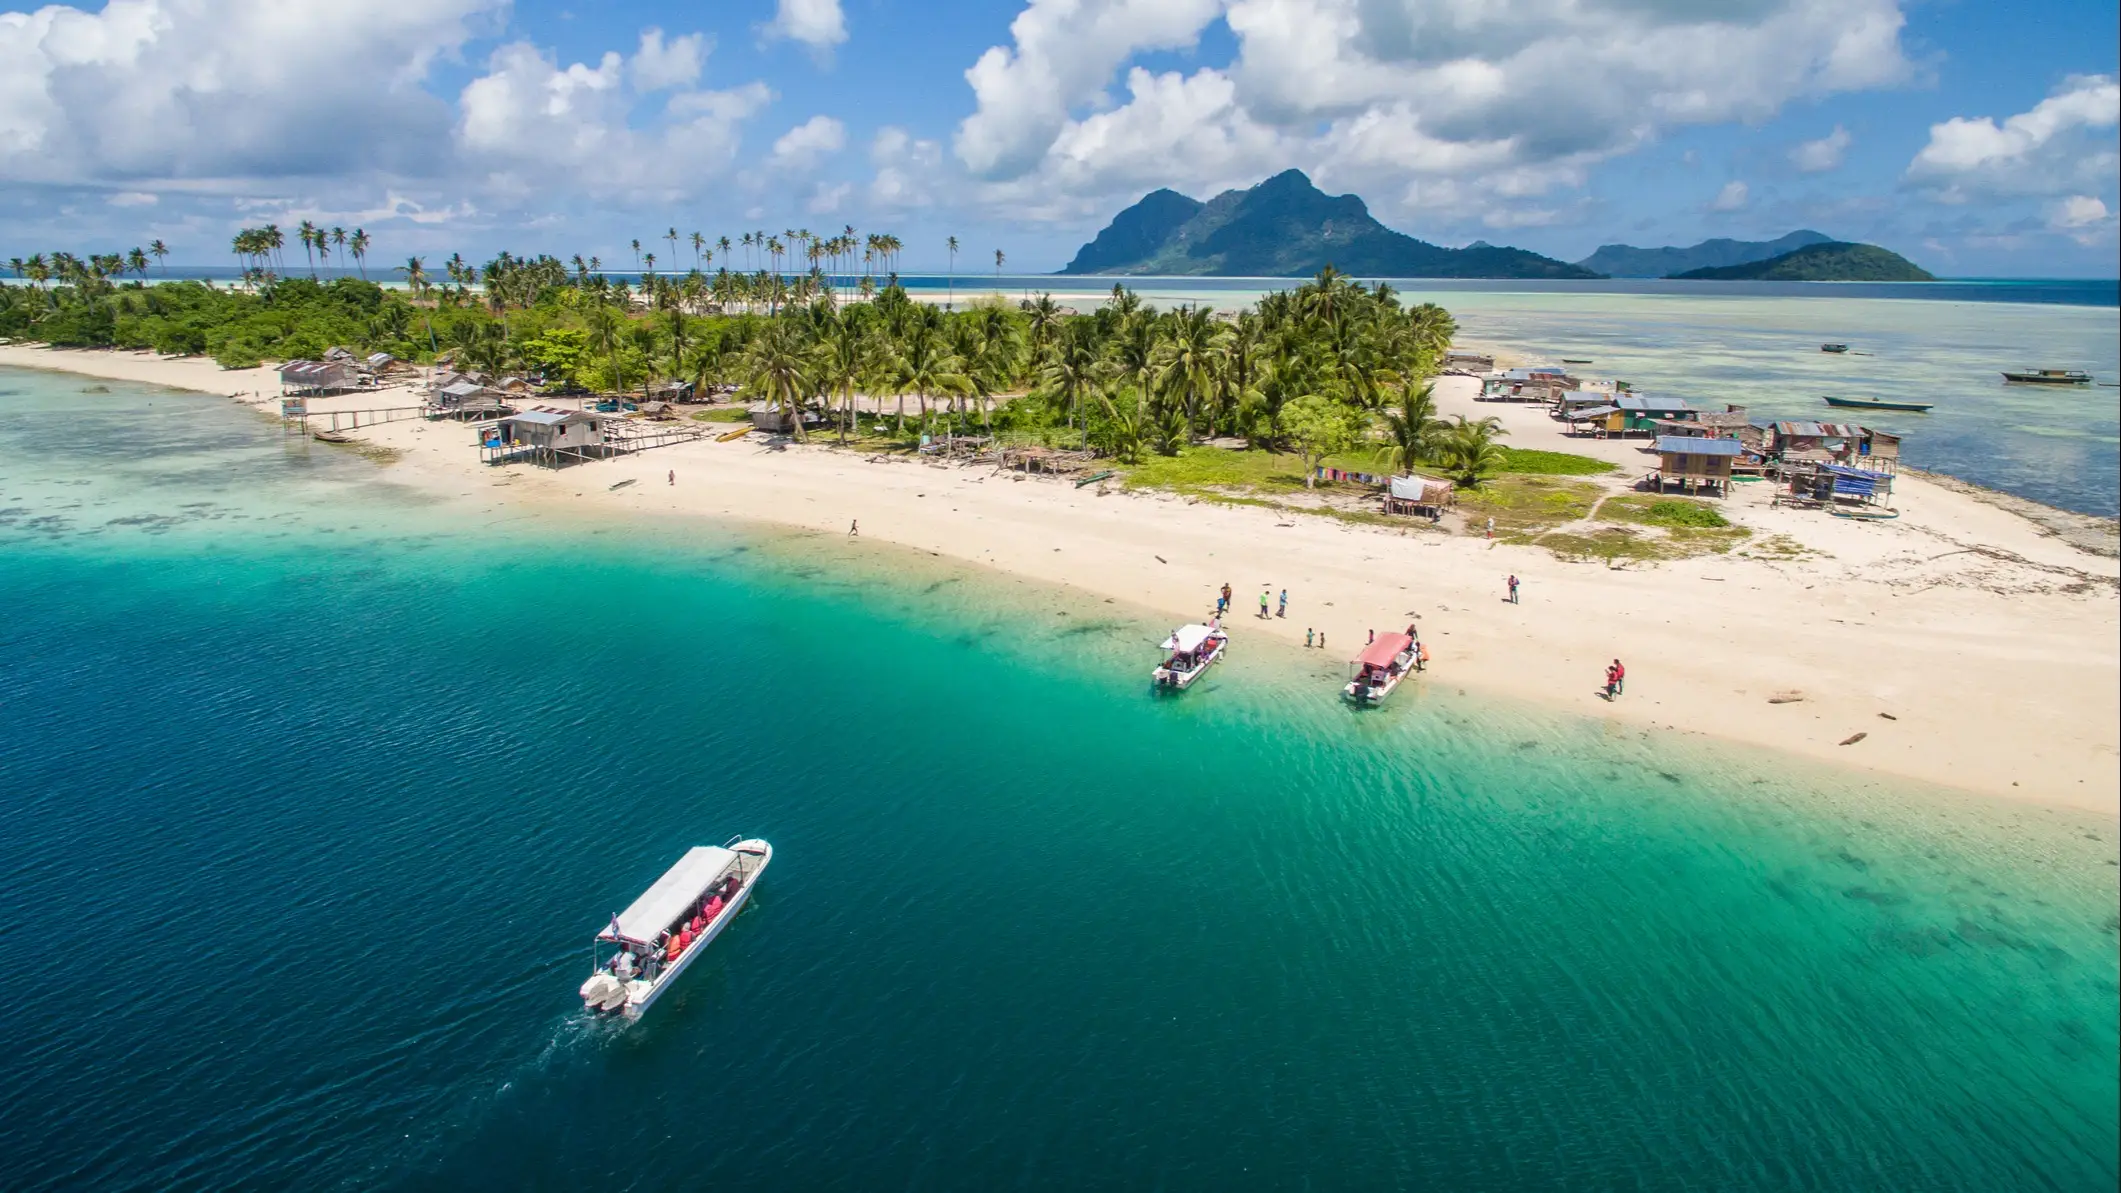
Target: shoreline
(1971, 646)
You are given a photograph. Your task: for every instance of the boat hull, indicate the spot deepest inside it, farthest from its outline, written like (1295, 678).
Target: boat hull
(1859, 404)
(2041, 379)
(638, 1004)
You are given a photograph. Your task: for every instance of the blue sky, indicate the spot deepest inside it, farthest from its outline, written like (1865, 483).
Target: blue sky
(1979, 139)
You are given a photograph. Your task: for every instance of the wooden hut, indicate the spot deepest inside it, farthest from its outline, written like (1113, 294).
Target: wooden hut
(1419, 495)
(546, 436)
(1640, 413)
(318, 377)
(1695, 464)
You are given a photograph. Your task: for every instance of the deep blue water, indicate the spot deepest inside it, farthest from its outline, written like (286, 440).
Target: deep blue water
(312, 793)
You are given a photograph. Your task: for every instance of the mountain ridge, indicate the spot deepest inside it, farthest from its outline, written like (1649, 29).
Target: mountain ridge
(1285, 227)
(1835, 261)
(1628, 261)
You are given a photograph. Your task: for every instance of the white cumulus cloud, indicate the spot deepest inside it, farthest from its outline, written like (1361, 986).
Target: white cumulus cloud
(1732, 197)
(221, 91)
(1448, 108)
(1817, 157)
(808, 143)
(659, 65)
(2064, 143)
(818, 24)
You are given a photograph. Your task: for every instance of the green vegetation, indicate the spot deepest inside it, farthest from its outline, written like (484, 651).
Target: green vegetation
(1127, 381)
(1525, 507)
(1644, 527)
(1835, 261)
(1533, 462)
(1667, 512)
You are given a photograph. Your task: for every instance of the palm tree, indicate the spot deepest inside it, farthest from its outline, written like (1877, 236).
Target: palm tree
(1413, 428)
(311, 236)
(158, 251)
(842, 360)
(997, 270)
(137, 261)
(1072, 371)
(359, 246)
(415, 272)
(338, 240)
(1184, 363)
(1469, 451)
(699, 242)
(951, 301)
(779, 370)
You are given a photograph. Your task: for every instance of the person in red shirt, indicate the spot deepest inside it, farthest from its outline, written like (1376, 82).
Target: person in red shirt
(1611, 680)
(1620, 678)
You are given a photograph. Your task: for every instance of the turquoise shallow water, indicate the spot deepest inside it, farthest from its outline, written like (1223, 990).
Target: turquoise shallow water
(306, 833)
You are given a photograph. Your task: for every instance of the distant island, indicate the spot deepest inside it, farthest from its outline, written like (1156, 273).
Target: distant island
(1627, 261)
(1286, 227)
(1836, 261)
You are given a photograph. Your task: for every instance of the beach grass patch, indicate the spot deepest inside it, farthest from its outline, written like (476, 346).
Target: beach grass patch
(1526, 461)
(1525, 507)
(1671, 513)
(1216, 471)
(726, 414)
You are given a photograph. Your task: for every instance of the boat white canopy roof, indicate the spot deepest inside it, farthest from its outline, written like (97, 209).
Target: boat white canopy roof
(660, 905)
(1188, 637)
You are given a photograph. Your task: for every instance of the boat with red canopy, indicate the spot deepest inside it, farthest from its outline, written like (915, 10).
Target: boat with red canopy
(1380, 667)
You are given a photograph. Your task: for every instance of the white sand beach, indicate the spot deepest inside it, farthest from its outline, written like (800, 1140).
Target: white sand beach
(1972, 647)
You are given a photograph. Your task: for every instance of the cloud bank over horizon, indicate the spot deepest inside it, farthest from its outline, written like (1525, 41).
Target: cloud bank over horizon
(1561, 123)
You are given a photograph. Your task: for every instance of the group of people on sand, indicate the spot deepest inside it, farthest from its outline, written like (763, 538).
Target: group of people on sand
(1266, 603)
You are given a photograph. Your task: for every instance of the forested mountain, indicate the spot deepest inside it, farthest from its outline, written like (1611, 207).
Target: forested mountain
(1627, 261)
(1286, 227)
(1833, 262)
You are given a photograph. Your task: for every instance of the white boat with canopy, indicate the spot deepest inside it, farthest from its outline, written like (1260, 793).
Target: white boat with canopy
(1189, 652)
(649, 944)
(1381, 666)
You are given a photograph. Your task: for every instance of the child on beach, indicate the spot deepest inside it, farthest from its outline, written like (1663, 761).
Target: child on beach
(1307, 636)
(1284, 610)
(1612, 680)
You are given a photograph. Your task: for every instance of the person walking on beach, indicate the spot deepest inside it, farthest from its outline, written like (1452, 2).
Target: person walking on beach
(854, 528)
(1307, 637)
(1491, 528)
(1612, 680)
(1513, 589)
(673, 476)
(1263, 604)
(1284, 609)
(1620, 678)
(1222, 603)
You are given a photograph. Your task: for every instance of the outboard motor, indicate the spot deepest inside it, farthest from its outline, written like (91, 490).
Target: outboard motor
(602, 992)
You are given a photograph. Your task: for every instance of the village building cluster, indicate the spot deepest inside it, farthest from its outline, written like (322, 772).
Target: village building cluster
(1701, 451)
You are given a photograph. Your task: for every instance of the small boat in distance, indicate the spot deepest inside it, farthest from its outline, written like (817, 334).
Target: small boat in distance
(1833, 347)
(649, 944)
(1879, 404)
(2050, 377)
(1381, 666)
(1192, 649)
(1576, 360)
